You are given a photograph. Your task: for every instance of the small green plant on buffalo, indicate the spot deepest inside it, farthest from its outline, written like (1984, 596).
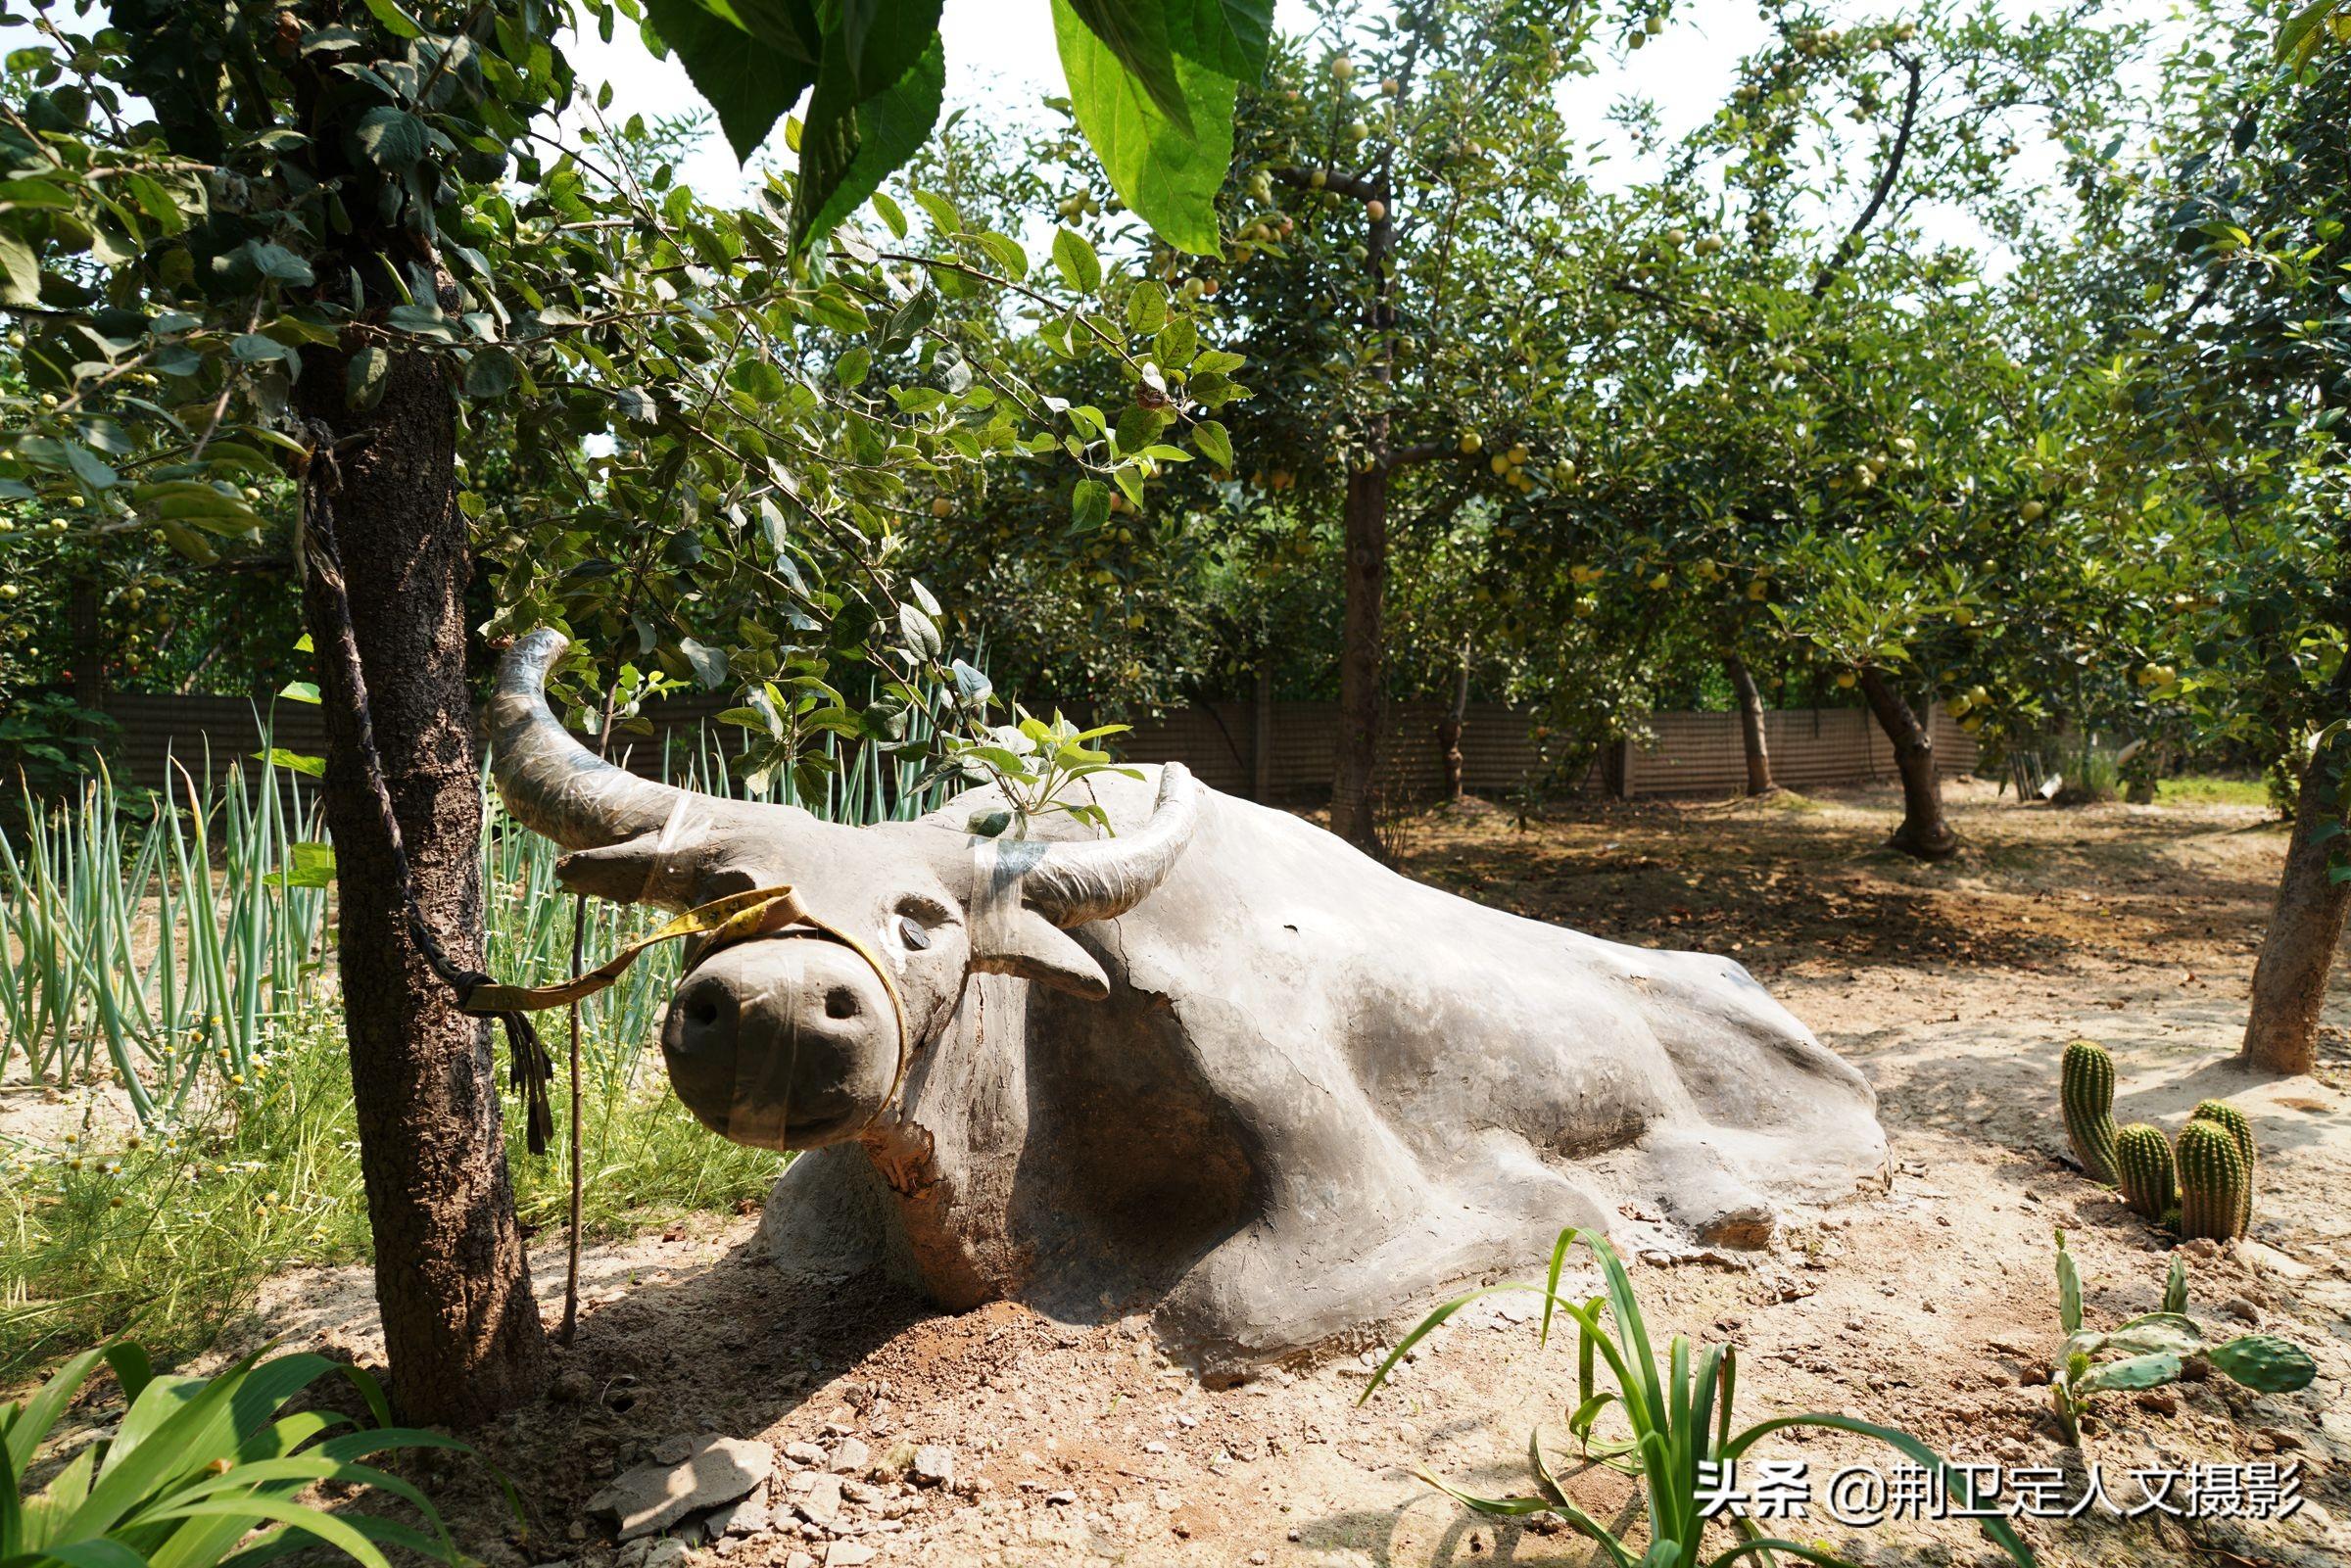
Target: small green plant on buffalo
(2086, 1089)
(1036, 765)
(1680, 1435)
(197, 1465)
(2156, 1348)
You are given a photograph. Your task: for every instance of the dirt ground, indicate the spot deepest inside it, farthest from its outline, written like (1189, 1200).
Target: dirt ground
(1931, 1307)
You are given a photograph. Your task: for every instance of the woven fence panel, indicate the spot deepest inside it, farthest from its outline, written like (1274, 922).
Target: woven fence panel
(1689, 754)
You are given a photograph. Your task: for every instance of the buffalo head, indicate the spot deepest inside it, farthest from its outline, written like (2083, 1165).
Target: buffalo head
(795, 1038)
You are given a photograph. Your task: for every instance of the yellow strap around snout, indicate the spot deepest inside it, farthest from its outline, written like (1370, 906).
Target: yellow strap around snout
(735, 917)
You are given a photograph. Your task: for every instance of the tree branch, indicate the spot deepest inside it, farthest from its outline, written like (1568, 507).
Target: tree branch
(1359, 187)
(1422, 452)
(1850, 246)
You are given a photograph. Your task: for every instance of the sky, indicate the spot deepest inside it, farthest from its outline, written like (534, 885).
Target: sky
(1001, 59)
(1001, 56)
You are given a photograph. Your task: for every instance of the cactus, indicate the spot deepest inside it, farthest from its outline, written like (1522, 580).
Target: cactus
(2213, 1179)
(2158, 1347)
(2222, 1114)
(2265, 1363)
(2142, 1168)
(2086, 1088)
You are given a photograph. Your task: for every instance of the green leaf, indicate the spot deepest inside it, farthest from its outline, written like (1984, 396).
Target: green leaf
(853, 365)
(757, 380)
(300, 692)
(363, 380)
(920, 630)
(1007, 254)
(750, 78)
(277, 263)
(1090, 504)
(156, 202)
(88, 468)
(281, 757)
(1134, 33)
(32, 1418)
(308, 865)
(1080, 269)
(709, 663)
(392, 139)
(189, 543)
(853, 141)
(1147, 307)
(489, 373)
(19, 270)
(1215, 442)
(395, 21)
(1168, 169)
(2302, 33)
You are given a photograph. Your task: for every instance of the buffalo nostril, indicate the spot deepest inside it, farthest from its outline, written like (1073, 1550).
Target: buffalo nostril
(701, 1012)
(840, 1003)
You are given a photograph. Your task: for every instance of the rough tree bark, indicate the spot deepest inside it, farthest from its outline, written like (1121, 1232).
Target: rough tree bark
(1450, 727)
(1365, 571)
(2306, 925)
(1923, 832)
(1751, 725)
(461, 1329)
(1364, 518)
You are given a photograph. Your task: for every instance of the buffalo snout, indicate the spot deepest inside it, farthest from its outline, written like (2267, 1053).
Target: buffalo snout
(785, 1042)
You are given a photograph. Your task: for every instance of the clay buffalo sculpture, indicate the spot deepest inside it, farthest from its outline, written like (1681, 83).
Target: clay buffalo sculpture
(1219, 1064)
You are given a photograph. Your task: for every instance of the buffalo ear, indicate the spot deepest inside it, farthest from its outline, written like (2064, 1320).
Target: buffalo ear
(634, 871)
(1029, 945)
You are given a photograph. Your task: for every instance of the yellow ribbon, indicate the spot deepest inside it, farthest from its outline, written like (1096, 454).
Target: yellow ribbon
(735, 917)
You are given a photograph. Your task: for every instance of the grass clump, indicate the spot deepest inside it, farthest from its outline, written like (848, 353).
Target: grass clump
(2207, 789)
(168, 1230)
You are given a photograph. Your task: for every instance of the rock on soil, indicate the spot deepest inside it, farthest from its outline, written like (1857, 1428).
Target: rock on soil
(703, 1475)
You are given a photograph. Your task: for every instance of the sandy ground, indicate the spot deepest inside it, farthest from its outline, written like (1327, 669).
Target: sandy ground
(1953, 987)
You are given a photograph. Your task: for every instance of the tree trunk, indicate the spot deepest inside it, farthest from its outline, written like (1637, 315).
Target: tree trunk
(1751, 725)
(87, 665)
(1261, 736)
(1365, 523)
(1450, 727)
(2297, 952)
(461, 1328)
(1366, 571)
(1923, 832)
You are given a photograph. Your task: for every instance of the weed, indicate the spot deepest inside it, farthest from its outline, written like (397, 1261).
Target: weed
(1681, 1441)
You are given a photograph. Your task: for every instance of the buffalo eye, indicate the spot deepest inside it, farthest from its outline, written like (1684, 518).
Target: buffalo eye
(912, 934)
